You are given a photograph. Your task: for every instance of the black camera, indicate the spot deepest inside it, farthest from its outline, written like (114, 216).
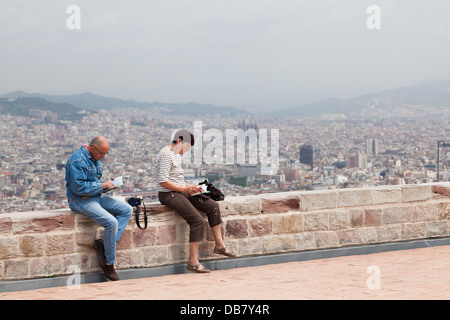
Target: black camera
(136, 202)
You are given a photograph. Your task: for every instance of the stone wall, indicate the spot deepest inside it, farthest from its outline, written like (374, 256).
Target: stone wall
(43, 244)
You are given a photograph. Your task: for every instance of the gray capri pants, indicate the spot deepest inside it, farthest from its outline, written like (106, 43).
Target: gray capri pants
(187, 207)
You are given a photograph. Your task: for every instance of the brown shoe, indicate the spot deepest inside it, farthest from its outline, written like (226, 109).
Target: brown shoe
(100, 248)
(197, 268)
(110, 273)
(224, 252)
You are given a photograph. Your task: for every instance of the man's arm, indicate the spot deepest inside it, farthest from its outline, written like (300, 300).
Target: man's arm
(79, 183)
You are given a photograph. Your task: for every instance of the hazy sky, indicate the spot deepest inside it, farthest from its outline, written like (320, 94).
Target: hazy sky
(258, 53)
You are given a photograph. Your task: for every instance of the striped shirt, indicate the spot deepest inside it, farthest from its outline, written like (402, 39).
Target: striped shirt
(168, 168)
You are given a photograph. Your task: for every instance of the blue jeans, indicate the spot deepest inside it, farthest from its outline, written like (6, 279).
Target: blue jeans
(100, 209)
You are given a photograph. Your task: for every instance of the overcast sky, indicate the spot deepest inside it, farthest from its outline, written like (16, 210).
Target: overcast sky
(258, 53)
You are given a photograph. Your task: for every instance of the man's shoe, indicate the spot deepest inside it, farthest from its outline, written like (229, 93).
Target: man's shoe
(110, 273)
(98, 244)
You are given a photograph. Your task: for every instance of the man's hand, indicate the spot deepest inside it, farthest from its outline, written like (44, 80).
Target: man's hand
(108, 185)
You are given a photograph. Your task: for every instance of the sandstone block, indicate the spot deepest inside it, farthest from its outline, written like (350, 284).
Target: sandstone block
(316, 221)
(278, 243)
(237, 228)
(314, 200)
(416, 230)
(145, 237)
(366, 235)
(32, 222)
(373, 217)
(280, 202)
(287, 223)
(438, 228)
(339, 220)
(260, 226)
(17, 268)
(416, 193)
(382, 195)
(304, 241)
(326, 239)
(354, 197)
(397, 214)
(166, 234)
(32, 246)
(60, 244)
(389, 233)
(6, 226)
(356, 217)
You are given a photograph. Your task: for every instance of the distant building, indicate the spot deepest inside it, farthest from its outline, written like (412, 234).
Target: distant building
(307, 155)
(372, 147)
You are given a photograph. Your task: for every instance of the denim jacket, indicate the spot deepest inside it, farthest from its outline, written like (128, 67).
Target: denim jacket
(83, 176)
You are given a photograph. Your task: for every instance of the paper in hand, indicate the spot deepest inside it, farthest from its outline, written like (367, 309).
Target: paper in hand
(118, 182)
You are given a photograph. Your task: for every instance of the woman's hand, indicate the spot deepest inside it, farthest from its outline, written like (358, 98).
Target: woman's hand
(191, 189)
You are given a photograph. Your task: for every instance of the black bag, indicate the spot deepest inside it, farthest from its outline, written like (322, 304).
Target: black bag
(214, 193)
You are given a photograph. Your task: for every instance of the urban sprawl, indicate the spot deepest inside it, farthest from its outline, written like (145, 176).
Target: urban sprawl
(313, 153)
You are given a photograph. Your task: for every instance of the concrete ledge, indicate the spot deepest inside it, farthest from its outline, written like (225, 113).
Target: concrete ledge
(47, 244)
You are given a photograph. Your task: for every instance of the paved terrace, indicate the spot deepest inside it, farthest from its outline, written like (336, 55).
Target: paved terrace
(422, 273)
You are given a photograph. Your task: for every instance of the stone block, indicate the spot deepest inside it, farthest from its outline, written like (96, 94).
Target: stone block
(315, 200)
(249, 247)
(17, 268)
(260, 226)
(354, 197)
(142, 238)
(154, 256)
(444, 210)
(6, 225)
(416, 230)
(373, 217)
(32, 246)
(389, 233)
(240, 205)
(304, 241)
(347, 237)
(425, 212)
(280, 202)
(60, 244)
(397, 214)
(34, 222)
(236, 228)
(278, 243)
(356, 217)
(441, 189)
(316, 221)
(166, 234)
(287, 223)
(339, 220)
(416, 193)
(383, 195)
(9, 248)
(326, 239)
(438, 228)
(366, 235)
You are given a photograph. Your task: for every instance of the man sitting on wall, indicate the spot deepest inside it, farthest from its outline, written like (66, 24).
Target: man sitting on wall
(84, 192)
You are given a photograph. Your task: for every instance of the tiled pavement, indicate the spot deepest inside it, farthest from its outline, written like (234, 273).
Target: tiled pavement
(407, 274)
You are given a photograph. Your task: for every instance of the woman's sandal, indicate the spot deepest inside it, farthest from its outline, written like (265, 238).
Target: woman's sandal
(196, 268)
(224, 252)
